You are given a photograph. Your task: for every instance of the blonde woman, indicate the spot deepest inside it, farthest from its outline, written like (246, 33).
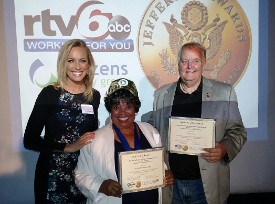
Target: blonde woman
(68, 110)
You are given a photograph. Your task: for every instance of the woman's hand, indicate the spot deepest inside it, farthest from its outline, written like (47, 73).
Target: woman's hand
(169, 178)
(111, 188)
(78, 144)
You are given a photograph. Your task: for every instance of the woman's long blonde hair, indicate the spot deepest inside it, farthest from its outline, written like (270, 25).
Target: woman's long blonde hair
(61, 67)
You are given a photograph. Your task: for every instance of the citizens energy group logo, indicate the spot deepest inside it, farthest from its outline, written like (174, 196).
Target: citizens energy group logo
(221, 26)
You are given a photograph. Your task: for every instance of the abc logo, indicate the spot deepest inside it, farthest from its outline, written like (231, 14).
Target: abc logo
(119, 27)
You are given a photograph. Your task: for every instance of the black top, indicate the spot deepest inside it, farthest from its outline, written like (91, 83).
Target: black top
(183, 166)
(141, 197)
(61, 115)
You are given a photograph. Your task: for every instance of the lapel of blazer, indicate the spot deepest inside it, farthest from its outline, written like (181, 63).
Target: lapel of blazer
(207, 98)
(169, 96)
(110, 151)
(166, 110)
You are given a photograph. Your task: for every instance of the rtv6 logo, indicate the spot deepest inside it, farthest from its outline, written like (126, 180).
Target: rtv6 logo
(101, 25)
(90, 21)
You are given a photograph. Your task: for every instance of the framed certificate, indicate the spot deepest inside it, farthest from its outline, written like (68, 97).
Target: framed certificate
(141, 170)
(190, 135)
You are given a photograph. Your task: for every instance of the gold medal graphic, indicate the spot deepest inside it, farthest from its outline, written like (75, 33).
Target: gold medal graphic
(222, 27)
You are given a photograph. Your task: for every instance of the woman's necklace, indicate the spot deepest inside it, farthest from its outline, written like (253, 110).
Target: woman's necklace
(123, 140)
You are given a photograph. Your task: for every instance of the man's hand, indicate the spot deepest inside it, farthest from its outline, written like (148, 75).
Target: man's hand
(214, 154)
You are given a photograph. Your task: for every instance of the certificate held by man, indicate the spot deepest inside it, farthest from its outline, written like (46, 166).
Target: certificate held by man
(191, 135)
(141, 170)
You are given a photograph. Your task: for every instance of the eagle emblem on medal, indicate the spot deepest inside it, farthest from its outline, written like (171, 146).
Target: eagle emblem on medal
(195, 28)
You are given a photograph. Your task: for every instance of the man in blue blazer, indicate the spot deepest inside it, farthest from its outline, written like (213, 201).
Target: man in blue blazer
(200, 178)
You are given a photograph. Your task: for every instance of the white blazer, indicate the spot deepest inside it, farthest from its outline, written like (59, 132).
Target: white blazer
(96, 163)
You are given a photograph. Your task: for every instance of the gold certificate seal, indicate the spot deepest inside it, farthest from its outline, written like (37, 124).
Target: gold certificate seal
(138, 184)
(221, 26)
(185, 148)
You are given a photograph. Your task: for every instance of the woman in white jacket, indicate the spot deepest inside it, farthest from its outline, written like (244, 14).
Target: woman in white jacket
(97, 170)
